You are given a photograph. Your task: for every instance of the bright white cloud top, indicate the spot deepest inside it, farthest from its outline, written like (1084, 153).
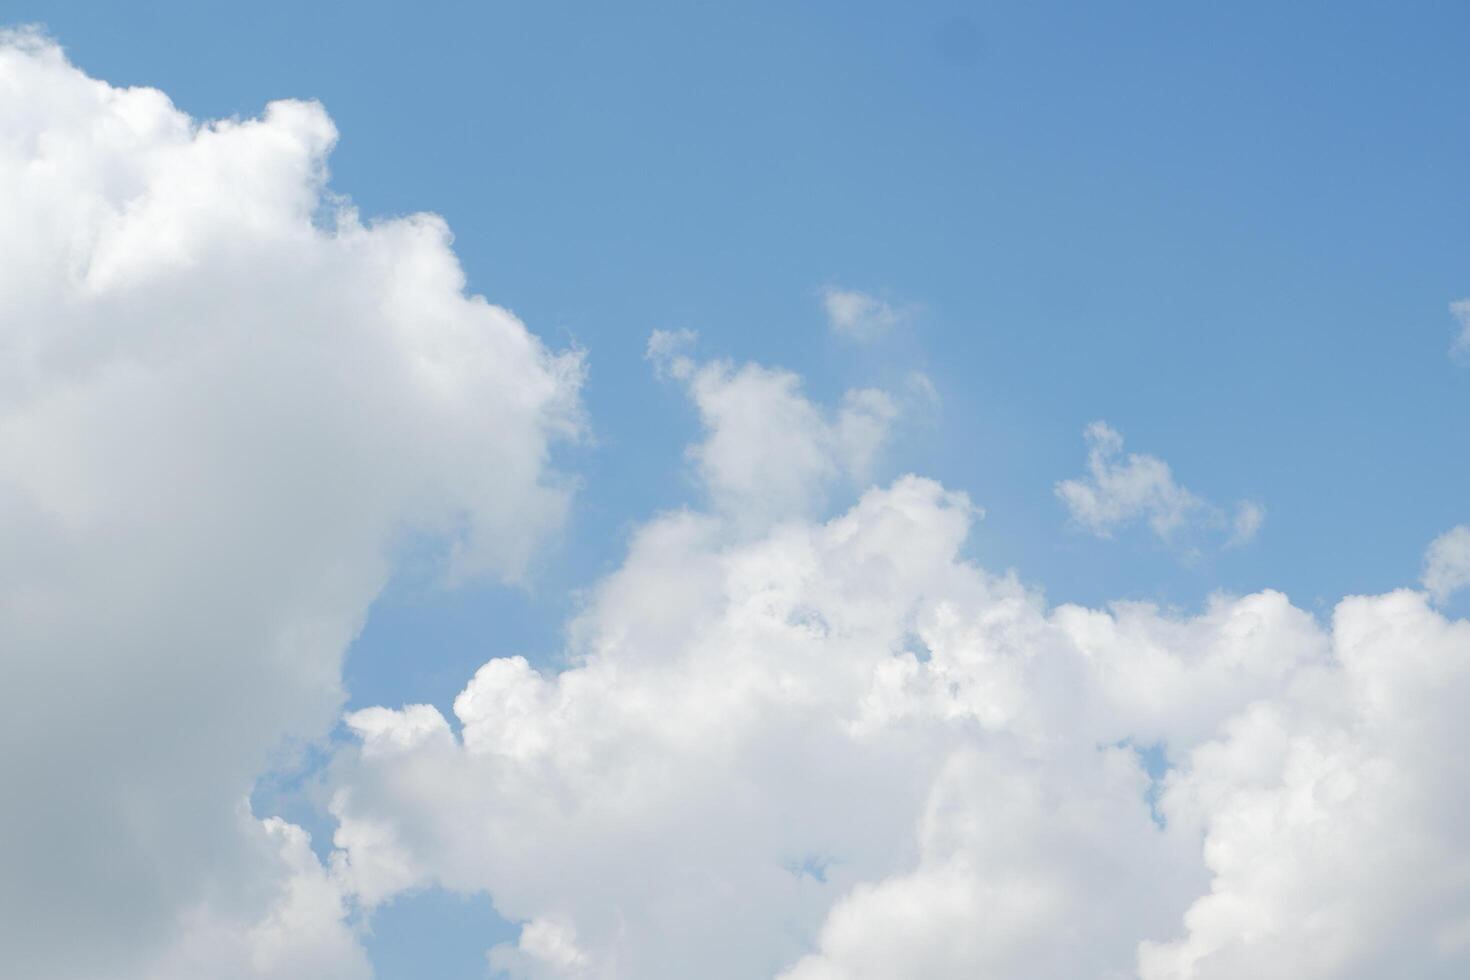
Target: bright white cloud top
(788, 743)
(842, 734)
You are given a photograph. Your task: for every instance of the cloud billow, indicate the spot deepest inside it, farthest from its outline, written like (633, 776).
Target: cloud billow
(219, 417)
(832, 750)
(801, 732)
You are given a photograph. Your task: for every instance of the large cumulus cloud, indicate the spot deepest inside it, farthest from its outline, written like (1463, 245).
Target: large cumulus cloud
(224, 402)
(840, 749)
(785, 742)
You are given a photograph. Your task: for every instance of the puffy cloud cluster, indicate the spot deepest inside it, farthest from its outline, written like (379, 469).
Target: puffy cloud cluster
(224, 402)
(1121, 490)
(1332, 815)
(837, 750)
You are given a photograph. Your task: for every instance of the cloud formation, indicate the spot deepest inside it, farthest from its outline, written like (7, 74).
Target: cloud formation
(225, 401)
(858, 316)
(769, 453)
(837, 749)
(1121, 490)
(785, 743)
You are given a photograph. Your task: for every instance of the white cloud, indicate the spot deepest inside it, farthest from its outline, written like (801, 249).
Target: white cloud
(1121, 490)
(839, 750)
(301, 933)
(545, 949)
(783, 747)
(859, 316)
(1332, 814)
(1447, 563)
(222, 407)
(769, 452)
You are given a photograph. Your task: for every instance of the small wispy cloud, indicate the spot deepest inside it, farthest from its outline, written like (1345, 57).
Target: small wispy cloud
(860, 316)
(1121, 489)
(1249, 516)
(669, 353)
(1460, 310)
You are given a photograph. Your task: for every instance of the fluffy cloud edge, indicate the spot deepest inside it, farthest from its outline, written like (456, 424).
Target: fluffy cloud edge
(226, 403)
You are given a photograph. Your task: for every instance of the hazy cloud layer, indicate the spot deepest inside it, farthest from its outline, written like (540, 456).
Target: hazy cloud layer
(223, 400)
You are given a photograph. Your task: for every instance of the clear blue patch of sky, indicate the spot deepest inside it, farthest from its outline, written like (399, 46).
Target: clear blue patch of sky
(434, 933)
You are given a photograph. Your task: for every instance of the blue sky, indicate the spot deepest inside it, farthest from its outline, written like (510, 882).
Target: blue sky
(1233, 233)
